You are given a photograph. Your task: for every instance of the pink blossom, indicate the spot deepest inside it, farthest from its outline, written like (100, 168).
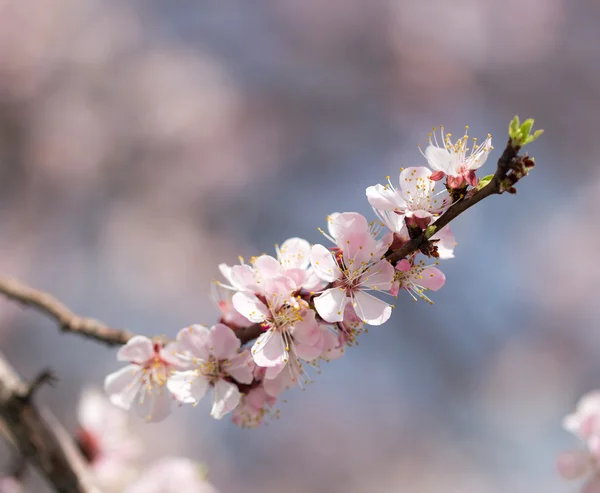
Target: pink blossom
(292, 331)
(452, 160)
(172, 475)
(358, 267)
(214, 361)
(417, 278)
(414, 201)
(106, 440)
(253, 408)
(142, 383)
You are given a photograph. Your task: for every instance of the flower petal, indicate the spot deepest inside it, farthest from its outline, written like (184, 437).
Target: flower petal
(439, 159)
(267, 267)
(241, 367)
(179, 384)
(446, 242)
(269, 349)
(371, 310)
(294, 254)
(324, 263)
(431, 278)
(574, 464)
(195, 339)
(242, 278)
(330, 305)
(250, 307)
(379, 276)
(123, 385)
(384, 198)
(138, 349)
(153, 405)
(226, 397)
(223, 343)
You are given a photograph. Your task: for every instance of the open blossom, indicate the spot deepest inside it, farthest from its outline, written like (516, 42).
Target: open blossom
(214, 361)
(414, 201)
(455, 161)
(584, 463)
(106, 441)
(142, 383)
(291, 328)
(172, 475)
(416, 278)
(356, 268)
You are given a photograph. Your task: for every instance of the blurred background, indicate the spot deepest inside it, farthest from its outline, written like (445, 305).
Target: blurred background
(144, 142)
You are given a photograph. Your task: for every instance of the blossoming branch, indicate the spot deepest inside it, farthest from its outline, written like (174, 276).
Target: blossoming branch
(283, 314)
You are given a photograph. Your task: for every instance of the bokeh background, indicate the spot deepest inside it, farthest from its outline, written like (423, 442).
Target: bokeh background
(143, 142)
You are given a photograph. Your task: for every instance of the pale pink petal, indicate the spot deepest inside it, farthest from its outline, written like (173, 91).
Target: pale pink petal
(226, 397)
(307, 330)
(379, 276)
(294, 254)
(138, 349)
(223, 343)
(179, 384)
(313, 282)
(243, 279)
(309, 352)
(299, 276)
(332, 346)
(267, 267)
(330, 305)
(269, 349)
(481, 156)
(284, 380)
(241, 367)
(574, 464)
(153, 405)
(358, 248)
(250, 307)
(278, 290)
(324, 263)
(416, 182)
(439, 159)
(170, 354)
(123, 385)
(371, 310)
(404, 265)
(446, 242)
(342, 224)
(431, 278)
(195, 340)
(384, 198)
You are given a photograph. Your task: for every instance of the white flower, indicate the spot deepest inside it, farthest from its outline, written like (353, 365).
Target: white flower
(414, 201)
(214, 359)
(353, 271)
(142, 383)
(455, 161)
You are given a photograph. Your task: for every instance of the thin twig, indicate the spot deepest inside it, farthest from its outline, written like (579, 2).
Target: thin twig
(67, 320)
(39, 436)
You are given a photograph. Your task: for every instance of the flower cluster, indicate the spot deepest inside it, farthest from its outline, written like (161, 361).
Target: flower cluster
(582, 463)
(304, 304)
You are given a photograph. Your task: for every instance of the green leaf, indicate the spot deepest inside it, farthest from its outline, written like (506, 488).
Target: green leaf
(484, 181)
(513, 126)
(430, 231)
(526, 127)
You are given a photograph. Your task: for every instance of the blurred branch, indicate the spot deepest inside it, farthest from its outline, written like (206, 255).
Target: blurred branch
(510, 169)
(39, 436)
(68, 321)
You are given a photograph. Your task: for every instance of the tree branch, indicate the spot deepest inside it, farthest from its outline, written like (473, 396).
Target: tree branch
(67, 320)
(501, 182)
(39, 436)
